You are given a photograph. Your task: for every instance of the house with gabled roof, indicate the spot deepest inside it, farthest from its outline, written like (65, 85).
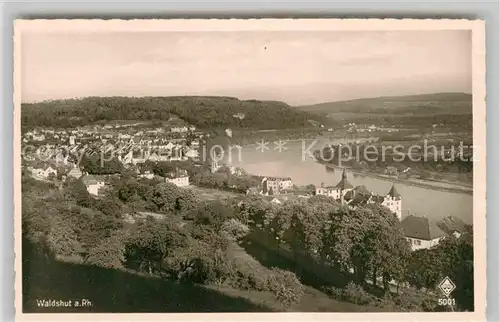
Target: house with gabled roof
(60, 158)
(38, 137)
(338, 191)
(275, 185)
(360, 195)
(455, 226)
(127, 158)
(358, 200)
(180, 179)
(93, 183)
(43, 172)
(421, 232)
(75, 172)
(135, 140)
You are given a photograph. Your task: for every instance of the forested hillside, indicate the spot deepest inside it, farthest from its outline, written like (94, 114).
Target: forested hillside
(441, 103)
(201, 111)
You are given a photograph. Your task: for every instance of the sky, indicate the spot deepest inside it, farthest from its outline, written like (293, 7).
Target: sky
(299, 68)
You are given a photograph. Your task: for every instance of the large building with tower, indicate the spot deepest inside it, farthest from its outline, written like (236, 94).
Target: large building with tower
(357, 196)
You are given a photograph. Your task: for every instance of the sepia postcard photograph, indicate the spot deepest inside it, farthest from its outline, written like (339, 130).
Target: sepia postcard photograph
(250, 166)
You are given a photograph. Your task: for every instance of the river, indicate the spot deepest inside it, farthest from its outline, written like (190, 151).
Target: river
(294, 162)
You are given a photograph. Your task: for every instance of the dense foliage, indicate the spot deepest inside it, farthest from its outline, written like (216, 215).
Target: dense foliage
(453, 257)
(360, 254)
(203, 112)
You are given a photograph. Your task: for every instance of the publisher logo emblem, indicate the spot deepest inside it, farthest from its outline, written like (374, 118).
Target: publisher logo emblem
(446, 286)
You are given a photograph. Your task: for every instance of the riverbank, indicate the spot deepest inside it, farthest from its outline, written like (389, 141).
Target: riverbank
(438, 185)
(427, 184)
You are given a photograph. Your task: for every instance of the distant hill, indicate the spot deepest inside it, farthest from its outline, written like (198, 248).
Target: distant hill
(201, 111)
(425, 104)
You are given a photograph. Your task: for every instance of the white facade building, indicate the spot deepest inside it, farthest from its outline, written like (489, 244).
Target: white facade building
(338, 191)
(421, 233)
(179, 181)
(93, 184)
(180, 129)
(43, 172)
(274, 185)
(39, 137)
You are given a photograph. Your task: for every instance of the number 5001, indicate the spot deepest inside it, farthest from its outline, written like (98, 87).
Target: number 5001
(446, 302)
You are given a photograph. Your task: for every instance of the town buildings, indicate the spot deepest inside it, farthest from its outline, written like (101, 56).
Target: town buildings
(146, 174)
(419, 231)
(356, 196)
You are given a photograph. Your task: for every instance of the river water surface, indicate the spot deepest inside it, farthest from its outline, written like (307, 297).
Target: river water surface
(294, 162)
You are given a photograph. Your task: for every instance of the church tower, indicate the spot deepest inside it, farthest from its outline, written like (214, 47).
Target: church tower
(343, 186)
(393, 201)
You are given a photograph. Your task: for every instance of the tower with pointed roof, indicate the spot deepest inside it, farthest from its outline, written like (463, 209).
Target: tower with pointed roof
(343, 186)
(338, 191)
(393, 201)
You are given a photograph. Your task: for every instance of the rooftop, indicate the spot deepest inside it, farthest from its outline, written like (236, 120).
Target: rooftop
(453, 224)
(394, 193)
(362, 190)
(421, 228)
(360, 199)
(344, 183)
(91, 179)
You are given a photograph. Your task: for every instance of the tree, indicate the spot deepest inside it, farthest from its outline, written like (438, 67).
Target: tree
(277, 224)
(254, 211)
(310, 189)
(77, 192)
(52, 177)
(62, 238)
(285, 286)
(150, 242)
(164, 196)
(234, 229)
(110, 253)
(162, 168)
(213, 213)
(423, 270)
(388, 249)
(92, 226)
(452, 257)
(307, 220)
(366, 238)
(337, 239)
(203, 112)
(110, 206)
(186, 201)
